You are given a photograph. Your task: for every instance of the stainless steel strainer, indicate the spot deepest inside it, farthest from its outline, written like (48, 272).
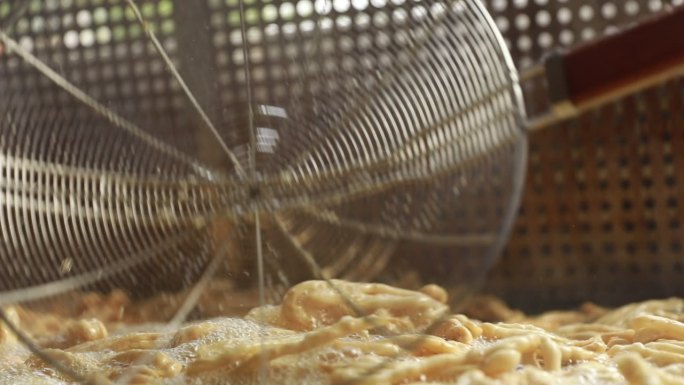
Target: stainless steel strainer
(368, 145)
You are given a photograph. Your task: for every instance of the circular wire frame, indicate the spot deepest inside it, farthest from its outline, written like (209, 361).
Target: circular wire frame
(381, 143)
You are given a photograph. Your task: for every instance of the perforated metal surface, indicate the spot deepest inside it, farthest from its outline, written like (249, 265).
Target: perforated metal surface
(601, 214)
(600, 218)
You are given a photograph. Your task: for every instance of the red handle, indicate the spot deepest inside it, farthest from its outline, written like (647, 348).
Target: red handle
(619, 64)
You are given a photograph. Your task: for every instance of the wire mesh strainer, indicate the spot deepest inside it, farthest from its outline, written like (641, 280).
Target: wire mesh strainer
(355, 160)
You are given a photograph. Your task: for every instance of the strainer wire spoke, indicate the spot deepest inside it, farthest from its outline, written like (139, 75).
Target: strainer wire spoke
(114, 118)
(78, 281)
(310, 260)
(186, 90)
(314, 267)
(253, 183)
(181, 314)
(42, 354)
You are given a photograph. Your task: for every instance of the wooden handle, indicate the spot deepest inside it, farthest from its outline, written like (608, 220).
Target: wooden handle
(619, 64)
